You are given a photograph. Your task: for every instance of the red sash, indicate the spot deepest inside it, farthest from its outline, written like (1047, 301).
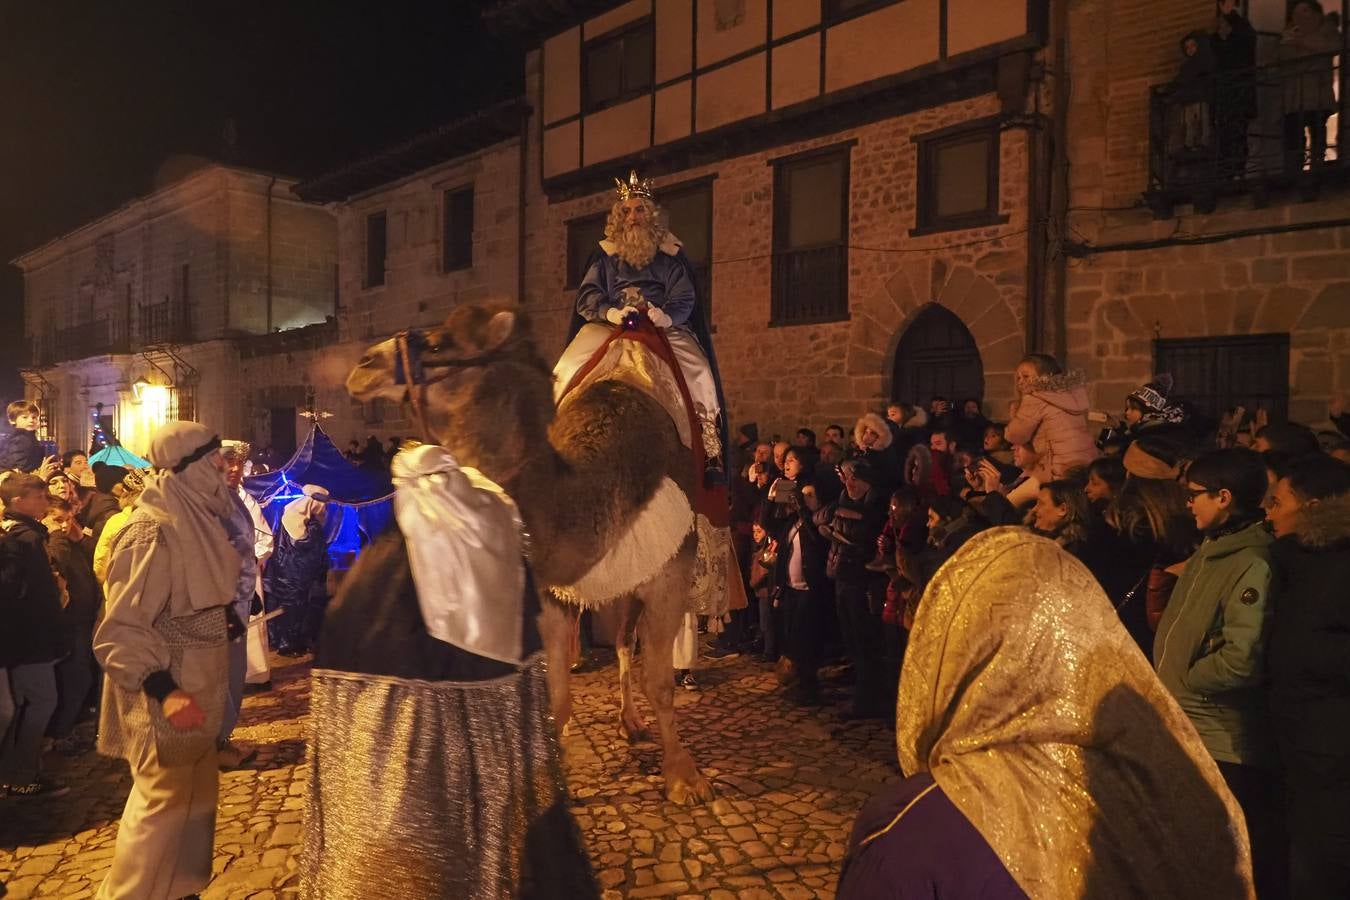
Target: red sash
(712, 502)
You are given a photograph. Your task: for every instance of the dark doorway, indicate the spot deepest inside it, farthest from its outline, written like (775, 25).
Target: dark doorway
(283, 435)
(937, 357)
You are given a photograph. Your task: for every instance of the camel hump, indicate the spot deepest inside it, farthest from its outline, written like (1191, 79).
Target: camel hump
(622, 441)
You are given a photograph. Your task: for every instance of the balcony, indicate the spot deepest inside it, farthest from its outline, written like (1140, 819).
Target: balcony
(96, 338)
(167, 322)
(156, 325)
(1251, 132)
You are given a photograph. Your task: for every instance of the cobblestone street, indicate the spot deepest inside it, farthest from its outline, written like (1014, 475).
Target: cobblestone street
(789, 782)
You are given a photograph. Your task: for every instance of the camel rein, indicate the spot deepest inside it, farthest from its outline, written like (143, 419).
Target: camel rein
(410, 370)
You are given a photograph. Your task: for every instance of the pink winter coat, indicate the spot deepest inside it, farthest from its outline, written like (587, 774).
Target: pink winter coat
(1052, 418)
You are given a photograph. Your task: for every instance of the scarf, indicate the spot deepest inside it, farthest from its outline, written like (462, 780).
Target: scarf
(296, 516)
(1037, 715)
(465, 549)
(188, 500)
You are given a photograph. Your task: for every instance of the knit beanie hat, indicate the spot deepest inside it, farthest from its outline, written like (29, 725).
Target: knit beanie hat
(1153, 396)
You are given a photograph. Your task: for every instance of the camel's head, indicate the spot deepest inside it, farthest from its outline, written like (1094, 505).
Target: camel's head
(472, 336)
(476, 366)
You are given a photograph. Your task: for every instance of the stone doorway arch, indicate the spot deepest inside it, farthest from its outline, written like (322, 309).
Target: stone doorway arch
(937, 356)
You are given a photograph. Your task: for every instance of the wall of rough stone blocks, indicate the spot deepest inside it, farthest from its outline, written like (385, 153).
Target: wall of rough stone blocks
(1296, 283)
(417, 292)
(785, 377)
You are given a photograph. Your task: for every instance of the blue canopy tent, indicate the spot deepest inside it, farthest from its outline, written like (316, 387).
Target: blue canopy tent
(360, 505)
(117, 455)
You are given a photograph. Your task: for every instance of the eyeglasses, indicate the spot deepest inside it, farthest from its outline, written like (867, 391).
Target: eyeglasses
(1191, 494)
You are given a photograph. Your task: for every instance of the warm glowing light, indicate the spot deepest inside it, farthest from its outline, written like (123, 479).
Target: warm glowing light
(142, 414)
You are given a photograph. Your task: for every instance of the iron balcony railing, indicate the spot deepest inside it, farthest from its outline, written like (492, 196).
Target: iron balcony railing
(149, 325)
(95, 338)
(166, 322)
(1246, 130)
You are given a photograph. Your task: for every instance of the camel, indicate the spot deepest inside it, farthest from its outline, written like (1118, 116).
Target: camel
(580, 479)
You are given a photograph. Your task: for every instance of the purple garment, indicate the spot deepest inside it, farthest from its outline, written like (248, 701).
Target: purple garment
(933, 851)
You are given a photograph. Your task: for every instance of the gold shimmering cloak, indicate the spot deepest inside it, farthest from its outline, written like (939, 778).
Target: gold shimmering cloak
(1037, 715)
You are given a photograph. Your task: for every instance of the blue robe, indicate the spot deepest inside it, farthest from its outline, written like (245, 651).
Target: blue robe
(666, 282)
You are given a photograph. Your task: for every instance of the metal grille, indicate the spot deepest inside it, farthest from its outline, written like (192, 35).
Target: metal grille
(1216, 374)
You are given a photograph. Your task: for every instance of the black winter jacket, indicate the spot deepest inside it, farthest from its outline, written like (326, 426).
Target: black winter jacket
(20, 450)
(1310, 632)
(33, 628)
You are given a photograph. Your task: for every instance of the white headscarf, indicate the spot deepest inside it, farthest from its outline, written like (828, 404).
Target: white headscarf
(463, 535)
(188, 500)
(295, 517)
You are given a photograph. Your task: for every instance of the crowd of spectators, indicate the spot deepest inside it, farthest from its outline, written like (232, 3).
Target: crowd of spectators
(1221, 545)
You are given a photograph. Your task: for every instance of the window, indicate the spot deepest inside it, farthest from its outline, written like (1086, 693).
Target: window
(457, 229)
(1217, 373)
(376, 245)
(958, 179)
(810, 238)
(583, 239)
(617, 66)
(690, 213)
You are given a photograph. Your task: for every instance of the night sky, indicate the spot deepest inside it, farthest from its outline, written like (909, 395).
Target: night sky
(95, 97)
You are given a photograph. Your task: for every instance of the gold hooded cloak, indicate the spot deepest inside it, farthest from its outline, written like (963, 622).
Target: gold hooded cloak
(1039, 718)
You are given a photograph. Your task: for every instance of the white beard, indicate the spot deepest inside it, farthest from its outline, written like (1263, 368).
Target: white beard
(637, 246)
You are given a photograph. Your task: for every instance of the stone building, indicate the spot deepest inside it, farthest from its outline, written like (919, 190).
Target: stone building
(854, 182)
(422, 226)
(143, 315)
(1235, 277)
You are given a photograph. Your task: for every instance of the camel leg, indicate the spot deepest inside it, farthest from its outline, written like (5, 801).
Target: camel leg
(630, 720)
(662, 615)
(556, 622)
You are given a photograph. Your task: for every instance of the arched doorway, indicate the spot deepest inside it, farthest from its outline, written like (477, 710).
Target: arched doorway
(937, 357)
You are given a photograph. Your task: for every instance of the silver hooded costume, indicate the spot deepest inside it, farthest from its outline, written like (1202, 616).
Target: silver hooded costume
(435, 769)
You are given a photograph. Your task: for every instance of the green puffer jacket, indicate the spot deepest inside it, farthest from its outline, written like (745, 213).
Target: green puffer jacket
(1210, 647)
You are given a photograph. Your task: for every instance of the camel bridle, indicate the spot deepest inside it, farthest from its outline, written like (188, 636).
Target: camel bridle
(410, 370)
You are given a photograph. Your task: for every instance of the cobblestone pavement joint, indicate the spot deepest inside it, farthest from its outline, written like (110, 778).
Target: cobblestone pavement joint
(789, 782)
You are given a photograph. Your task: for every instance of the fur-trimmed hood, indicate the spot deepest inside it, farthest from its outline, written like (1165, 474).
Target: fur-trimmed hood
(877, 424)
(1325, 524)
(1057, 384)
(1067, 391)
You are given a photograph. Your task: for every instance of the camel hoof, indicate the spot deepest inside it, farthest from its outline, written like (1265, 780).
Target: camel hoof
(692, 791)
(637, 735)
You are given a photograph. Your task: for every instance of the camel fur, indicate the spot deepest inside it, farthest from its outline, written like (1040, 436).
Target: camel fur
(580, 479)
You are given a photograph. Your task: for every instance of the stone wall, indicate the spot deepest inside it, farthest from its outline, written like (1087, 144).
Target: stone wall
(282, 279)
(1296, 283)
(789, 376)
(417, 292)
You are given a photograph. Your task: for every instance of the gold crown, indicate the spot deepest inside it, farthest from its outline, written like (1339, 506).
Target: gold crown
(635, 187)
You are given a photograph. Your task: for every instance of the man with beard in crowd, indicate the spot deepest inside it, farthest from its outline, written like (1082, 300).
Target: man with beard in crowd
(641, 262)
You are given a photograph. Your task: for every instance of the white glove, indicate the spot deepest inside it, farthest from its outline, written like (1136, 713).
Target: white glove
(615, 316)
(659, 317)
